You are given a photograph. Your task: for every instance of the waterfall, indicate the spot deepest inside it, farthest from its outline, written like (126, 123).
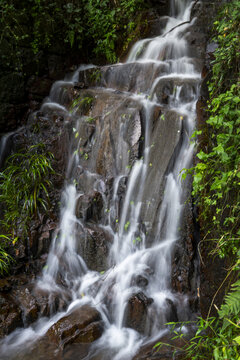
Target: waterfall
(145, 228)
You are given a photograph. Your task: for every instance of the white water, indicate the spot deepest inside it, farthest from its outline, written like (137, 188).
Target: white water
(129, 254)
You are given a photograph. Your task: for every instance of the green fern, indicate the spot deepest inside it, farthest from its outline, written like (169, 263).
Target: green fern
(232, 302)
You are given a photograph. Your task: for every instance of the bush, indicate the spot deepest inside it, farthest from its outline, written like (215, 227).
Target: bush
(24, 185)
(92, 26)
(216, 185)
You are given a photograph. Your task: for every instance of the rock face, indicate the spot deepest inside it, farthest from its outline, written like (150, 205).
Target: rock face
(82, 325)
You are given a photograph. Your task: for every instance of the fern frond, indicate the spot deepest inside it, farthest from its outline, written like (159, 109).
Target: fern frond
(232, 302)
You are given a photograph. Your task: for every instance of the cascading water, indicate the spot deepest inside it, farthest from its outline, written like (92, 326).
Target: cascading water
(135, 251)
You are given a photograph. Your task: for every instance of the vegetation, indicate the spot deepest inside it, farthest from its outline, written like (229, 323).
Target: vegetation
(24, 185)
(5, 258)
(216, 185)
(93, 26)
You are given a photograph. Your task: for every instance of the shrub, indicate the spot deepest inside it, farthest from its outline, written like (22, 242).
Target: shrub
(24, 185)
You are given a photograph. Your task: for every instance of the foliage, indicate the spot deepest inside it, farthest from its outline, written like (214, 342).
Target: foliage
(232, 302)
(84, 24)
(24, 185)
(5, 258)
(216, 185)
(81, 102)
(213, 340)
(216, 181)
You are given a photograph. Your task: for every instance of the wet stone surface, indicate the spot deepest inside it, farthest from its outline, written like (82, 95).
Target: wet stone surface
(82, 325)
(136, 312)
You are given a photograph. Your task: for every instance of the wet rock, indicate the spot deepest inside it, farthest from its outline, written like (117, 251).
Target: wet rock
(10, 315)
(141, 281)
(49, 304)
(93, 246)
(171, 313)
(163, 149)
(76, 351)
(82, 325)
(100, 141)
(133, 77)
(90, 207)
(166, 89)
(40, 349)
(184, 276)
(136, 312)
(27, 303)
(44, 238)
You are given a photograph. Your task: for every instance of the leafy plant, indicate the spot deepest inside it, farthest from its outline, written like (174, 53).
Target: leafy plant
(81, 102)
(95, 26)
(216, 181)
(216, 185)
(5, 258)
(212, 341)
(24, 185)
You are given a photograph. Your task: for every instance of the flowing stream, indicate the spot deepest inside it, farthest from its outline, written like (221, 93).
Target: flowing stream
(136, 252)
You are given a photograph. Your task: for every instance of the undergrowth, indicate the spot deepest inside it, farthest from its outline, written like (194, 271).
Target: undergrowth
(216, 186)
(24, 187)
(92, 26)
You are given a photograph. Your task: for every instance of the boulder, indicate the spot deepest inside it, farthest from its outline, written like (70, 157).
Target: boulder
(82, 325)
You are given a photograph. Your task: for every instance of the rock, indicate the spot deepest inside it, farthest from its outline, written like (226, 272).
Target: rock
(165, 89)
(141, 281)
(41, 349)
(136, 312)
(90, 207)
(184, 259)
(76, 351)
(27, 303)
(49, 304)
(93, 245)
(134, 77)
(171, 313)
(5, 285)
(82, 325)
(44, 237)
(10, 315)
